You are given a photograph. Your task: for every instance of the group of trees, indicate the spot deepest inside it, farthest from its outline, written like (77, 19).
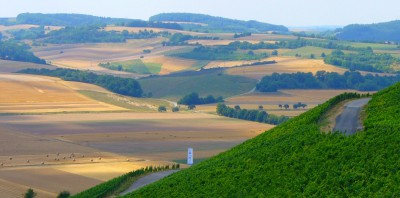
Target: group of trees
(16, 51)
(379, 32)
(152, 24)
(295, 106)
(236, 35)
(94, 34)
(180, 39)
(124, 86)
(194, 99)
(325, 80)
(252, 115)
(365, 60)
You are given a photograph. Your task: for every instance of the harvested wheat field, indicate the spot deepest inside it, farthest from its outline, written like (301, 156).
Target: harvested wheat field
(284, 65)
(37, 94)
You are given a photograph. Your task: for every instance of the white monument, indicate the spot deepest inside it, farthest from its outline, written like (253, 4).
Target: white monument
(190, 156)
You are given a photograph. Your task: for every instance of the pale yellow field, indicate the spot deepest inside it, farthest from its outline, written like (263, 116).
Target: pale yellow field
(35, 94)
(284, 65)
(16, 27)
(170, 64)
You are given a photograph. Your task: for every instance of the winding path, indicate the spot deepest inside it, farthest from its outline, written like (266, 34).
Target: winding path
(348, 121)
(148, 179)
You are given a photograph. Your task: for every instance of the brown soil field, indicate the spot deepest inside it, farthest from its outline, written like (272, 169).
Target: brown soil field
(51, 153)
(143, 135)
(37, 94)
(270, 101)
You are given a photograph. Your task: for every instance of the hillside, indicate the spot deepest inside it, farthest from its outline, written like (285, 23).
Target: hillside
(297, 160)
(379, 32)
(66, 19)
(217, 24)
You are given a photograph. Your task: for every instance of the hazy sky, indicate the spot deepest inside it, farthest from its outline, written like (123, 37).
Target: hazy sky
(283, 12)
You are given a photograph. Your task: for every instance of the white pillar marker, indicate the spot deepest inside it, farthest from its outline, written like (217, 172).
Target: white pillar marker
(190, 156)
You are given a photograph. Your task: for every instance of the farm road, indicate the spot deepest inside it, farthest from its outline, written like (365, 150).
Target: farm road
(348, 121)
(148, 180)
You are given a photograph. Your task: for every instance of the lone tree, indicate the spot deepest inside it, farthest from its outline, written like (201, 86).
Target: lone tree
(274, 53)
(260, 108)
(286, 106)
(191, 106)
(280, 106)
(175, 109)
(30, 193)
(237, 107)
(162, 109)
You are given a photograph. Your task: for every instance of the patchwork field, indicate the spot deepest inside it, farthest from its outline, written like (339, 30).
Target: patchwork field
(270, 101)
(51, 153)
(38, 94)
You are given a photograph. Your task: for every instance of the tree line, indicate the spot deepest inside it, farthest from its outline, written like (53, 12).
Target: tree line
(325, 80)
(152, 24)
(251, 115)
(180, 39)
(194, 99)
(123, 86)
(16, 51)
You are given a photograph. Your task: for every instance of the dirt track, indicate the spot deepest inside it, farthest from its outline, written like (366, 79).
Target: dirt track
(348, 121)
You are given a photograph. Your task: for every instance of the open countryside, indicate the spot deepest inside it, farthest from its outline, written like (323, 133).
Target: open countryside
(97, 106)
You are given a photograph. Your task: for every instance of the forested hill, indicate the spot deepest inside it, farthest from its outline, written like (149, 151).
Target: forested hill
(379, 32)
(296, 159)
(66, 19)
(218, 23)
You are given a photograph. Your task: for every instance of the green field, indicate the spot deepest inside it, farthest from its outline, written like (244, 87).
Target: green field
(134, 66)
(174, 87)
(296, 159)
(307, 51)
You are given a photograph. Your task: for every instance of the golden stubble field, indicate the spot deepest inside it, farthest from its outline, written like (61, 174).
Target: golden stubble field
(51, 153)
(23, 93)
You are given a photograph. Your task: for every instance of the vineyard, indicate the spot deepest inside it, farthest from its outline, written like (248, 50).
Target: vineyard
(296, 160)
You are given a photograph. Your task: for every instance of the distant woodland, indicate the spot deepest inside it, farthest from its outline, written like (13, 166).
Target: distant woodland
(16, 51)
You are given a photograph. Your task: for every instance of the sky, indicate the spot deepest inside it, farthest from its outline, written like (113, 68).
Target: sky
(292, 13)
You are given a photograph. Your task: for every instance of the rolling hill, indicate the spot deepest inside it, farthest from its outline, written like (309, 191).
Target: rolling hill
(297, 160)
(379, 32)
(217, 24)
